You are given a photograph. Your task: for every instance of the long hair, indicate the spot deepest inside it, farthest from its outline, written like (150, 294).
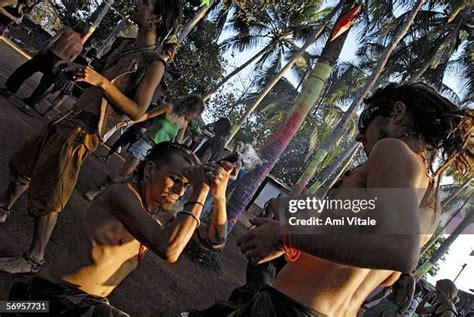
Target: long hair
(446, 129)
(193, 104)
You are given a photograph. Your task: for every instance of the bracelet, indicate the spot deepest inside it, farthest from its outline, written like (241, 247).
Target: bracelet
(192, 215)
(193, 203)
(292, 255)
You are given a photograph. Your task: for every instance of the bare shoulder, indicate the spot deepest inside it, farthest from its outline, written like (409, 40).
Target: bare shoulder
(394, 164)
(393, 152)
(120, 197)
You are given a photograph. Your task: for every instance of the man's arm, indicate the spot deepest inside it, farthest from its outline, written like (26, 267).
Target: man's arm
(168, 242)
(214, 236)
(391, 164)
(133, 108)
(9, 3)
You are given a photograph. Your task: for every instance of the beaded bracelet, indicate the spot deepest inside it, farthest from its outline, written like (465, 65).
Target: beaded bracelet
(192, 215)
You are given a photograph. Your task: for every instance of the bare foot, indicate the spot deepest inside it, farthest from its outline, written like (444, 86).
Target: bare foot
(19, 265)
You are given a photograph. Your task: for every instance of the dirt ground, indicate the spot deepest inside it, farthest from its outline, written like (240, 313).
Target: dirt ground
(155, 286)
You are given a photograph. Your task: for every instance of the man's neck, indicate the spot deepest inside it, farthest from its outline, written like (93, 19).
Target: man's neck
(415, 144)
(145, 37)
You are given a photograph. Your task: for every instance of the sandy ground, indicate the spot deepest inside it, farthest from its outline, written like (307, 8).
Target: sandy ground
(155, 286)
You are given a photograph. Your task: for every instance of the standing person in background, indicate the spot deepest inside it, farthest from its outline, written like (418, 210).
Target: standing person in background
(445, 295)
(213, 148)
(165, 123)
(64, 46)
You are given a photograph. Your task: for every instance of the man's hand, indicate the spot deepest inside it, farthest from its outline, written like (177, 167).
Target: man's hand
(263, 243)
(197, 176)
(218, 176)
(18, 21)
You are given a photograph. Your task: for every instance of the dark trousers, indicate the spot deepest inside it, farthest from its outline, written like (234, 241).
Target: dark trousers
(43, 63)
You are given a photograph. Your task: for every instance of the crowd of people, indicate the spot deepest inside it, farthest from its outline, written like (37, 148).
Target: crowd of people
(173, 188)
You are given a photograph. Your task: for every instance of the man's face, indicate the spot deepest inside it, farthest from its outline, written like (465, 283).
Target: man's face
(144, 12)
(372, 127)
(168, 182)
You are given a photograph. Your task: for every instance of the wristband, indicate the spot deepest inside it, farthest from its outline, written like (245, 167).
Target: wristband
(191, 214)
(193, 203)
(292, 255)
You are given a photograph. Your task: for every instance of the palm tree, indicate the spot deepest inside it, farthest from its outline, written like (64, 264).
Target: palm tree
(339, 129)
(337, 167)
(295, 57)
(466, 222)
(276, 28)
(310, 93)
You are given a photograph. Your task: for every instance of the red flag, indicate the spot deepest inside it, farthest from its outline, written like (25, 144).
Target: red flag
(345, 22)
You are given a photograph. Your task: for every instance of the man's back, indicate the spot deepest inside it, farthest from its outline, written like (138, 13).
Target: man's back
(68, 46)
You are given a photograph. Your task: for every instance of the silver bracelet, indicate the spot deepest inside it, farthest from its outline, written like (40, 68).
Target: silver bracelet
(191, 214)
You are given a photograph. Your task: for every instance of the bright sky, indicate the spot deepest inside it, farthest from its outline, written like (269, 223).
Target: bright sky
(460, 250)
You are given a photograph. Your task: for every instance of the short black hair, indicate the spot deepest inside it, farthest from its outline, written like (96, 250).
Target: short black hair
(222, 127)
(164, 153)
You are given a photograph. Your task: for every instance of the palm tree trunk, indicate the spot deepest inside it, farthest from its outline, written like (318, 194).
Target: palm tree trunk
(454, 195)
(440, 230)
(466, 222)
(194, 21)
(103, 12)
(339, 129)
(310, 92)
(266, 49)
(283, 71)
(340, 166)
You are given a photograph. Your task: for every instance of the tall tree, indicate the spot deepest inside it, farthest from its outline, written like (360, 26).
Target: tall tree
(296, 56)
(339, 129)
(310, 93)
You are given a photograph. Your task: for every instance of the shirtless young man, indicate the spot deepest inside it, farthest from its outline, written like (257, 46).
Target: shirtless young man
(49, 164)
(66, 46)
(127, 219)
(338, 268)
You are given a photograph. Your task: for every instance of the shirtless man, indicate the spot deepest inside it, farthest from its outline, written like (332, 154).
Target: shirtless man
(66, 46)
(126, 220)
(338, 268)
(49, 163)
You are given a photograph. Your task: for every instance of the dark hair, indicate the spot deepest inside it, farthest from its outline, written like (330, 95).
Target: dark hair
(171, 12)
(164, 153)
(189, 105)
(445, 128)
(222, 127)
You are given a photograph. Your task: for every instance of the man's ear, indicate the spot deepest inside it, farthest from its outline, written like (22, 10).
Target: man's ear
(399, 111)
(149, 169)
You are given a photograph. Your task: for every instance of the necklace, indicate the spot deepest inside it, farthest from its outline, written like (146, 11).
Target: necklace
(129, 51)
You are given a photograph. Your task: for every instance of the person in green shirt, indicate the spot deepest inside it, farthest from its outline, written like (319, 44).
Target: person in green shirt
(165, 123)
